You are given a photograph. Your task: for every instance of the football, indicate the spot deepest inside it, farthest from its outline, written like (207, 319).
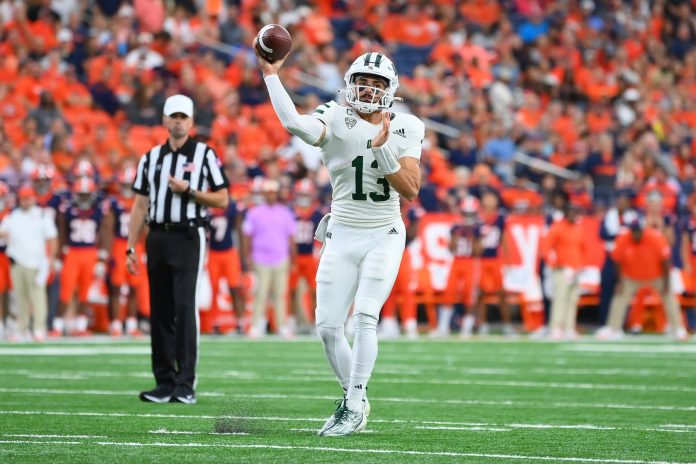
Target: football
(274, 42)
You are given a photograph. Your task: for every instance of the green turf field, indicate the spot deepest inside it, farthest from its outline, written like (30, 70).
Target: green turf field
(262, 401)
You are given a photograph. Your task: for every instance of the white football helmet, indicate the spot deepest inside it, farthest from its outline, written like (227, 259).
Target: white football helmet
(376, 64)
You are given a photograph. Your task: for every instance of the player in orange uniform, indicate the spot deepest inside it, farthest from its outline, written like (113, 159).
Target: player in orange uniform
(120, 281)
(80, 230)
(5, 283)
(465, 246)
(492, 231)
(308, 214)
(223, 258)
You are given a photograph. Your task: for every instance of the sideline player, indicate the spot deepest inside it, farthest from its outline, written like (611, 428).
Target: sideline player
(372, 155)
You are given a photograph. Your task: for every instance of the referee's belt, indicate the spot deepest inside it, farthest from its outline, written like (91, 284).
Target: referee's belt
(175, 226)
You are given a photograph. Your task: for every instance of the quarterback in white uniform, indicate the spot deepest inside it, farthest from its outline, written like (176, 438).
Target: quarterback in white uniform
(373, 156)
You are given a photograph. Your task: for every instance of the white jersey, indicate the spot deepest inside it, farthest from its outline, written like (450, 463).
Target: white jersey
(362, 197)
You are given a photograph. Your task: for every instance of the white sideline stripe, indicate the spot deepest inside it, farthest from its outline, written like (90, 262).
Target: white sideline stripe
(56, 391)
(685, 426)
(317, 370)
(74, 351)
(625, 348)
(36, 442)
(190, 432)
(355, 450)
(249, 375)
(32, 435)
(425, 424)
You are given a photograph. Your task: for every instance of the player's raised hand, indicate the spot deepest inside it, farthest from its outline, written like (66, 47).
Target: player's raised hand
(382, 136)
(267, 68)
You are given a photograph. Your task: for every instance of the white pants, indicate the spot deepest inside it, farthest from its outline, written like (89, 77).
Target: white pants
(358, 266)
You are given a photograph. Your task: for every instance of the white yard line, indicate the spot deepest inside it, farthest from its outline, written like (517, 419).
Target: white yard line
(322, 371)
(470, 428)
(191, 432)
(315, 430)
(444, 425)
(281, 396)
(33, 435)
(488, 383)
(323, 449)
(74, 351)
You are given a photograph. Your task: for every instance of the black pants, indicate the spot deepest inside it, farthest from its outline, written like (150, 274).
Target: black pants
(608, 280)
(173, 267)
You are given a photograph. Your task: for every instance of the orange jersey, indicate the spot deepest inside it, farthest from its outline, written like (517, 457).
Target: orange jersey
(565, 244)
(642, 260)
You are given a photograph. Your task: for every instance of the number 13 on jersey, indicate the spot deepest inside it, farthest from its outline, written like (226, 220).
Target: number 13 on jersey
(359, 193)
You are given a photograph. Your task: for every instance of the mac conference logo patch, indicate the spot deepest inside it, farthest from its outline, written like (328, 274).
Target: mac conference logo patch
(351, 122)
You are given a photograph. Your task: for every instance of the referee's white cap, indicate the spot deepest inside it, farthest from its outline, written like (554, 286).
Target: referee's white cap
(178, 104)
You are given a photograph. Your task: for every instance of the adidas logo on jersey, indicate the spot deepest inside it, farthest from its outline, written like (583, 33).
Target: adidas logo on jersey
(393, 231)
(401, 132)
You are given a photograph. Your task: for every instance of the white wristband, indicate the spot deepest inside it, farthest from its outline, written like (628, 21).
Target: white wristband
(386, 159)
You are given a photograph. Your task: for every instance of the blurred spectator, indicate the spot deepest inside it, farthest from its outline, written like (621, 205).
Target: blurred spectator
(268, 244)
(563, 251)
(31, 247)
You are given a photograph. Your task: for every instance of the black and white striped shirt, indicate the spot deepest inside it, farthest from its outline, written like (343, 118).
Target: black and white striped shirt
(194, 162)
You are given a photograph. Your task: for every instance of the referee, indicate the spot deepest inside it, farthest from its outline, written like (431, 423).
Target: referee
(174, 183)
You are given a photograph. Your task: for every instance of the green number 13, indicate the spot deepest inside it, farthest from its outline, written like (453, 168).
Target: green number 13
(359, 194)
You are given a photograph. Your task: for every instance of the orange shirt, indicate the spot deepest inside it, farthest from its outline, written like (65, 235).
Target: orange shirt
(641, 260)
(564, 245)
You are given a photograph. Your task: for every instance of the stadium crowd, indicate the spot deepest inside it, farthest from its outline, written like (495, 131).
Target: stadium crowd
(542, 103)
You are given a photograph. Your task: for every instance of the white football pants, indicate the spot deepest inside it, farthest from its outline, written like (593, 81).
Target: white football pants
(357, 267)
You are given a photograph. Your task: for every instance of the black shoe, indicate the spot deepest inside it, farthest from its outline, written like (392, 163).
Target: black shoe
(183, 395)
(159, 394)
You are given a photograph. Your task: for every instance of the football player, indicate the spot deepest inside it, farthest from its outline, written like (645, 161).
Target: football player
(492, 234)
(308, 215)
(372, 154)
(81, 233)
(136, 285)
(465, 246)
(224, 261)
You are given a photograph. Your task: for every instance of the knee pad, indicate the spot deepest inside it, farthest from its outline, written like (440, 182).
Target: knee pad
(329, 335)
(364, 322)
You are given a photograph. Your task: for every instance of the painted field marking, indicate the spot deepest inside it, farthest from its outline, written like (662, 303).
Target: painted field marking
(351, 450)
(419, 424)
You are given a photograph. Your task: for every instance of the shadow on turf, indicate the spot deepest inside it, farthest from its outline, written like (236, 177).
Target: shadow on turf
(238, 417)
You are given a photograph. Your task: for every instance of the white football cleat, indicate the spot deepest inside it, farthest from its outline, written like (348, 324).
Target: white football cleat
(346, 421)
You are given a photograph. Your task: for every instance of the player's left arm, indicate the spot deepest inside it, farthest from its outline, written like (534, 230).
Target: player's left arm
(403, 173)
(406, 180)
